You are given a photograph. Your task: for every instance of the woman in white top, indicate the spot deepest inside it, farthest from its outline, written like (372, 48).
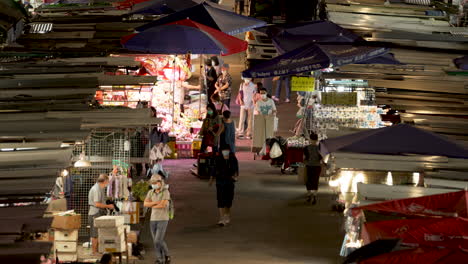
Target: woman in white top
(265, 106)
(265, 111)
(247, 91)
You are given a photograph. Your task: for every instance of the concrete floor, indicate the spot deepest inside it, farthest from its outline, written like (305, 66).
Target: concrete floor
(271, 222)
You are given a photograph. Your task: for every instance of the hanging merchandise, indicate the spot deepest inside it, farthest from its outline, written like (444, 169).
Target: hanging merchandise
(118, 183)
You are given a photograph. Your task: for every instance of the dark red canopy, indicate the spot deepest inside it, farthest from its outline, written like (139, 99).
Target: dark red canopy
(450, 204)
(432, 232)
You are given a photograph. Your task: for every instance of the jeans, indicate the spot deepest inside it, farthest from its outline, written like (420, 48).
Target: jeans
(287, 86)
(245, 114)
(158, 231)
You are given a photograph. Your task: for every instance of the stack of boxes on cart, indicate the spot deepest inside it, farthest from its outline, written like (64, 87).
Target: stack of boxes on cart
(112, 233)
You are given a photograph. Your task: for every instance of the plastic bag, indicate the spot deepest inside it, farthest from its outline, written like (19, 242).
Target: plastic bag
(263, 151)
(275, 123)
(275, 151)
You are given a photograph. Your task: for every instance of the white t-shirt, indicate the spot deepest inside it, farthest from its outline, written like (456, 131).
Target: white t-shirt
(249, 92)
(265, 108)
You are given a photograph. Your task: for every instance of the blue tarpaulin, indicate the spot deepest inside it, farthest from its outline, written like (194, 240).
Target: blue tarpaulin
(289, 37)
(205, 14)
(313, 57)
(160, 7)
(461, 63)
(395, 140)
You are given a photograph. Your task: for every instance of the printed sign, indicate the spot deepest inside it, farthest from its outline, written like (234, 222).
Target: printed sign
(302, 84)
(335, 98)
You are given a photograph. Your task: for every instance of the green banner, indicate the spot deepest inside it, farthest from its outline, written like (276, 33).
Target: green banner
(302, 84)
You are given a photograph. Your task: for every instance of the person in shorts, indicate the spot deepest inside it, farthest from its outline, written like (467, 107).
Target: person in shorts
(97, 204)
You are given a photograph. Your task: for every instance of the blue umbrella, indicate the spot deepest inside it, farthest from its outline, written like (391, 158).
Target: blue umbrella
(160, 7)
(313, 57)
(289, 37)
(461, 63)
(205, 14)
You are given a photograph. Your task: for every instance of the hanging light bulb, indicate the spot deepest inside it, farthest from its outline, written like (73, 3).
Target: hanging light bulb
(82, 162)
(389, 180)
(416, 178)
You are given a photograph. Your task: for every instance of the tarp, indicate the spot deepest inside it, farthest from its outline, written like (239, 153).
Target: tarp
(395, 140)
(461, 63)
(289, 37)
(184, 36)
(420, 256)
(450, 204)
(449, 232)
(160, 7)
(205, 14)
(313, 57)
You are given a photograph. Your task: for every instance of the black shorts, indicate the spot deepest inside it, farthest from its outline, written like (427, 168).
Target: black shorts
(225, 195)
(93, 232)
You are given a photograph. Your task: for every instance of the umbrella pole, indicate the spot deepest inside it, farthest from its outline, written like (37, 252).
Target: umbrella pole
(200, 87)
(173, 90)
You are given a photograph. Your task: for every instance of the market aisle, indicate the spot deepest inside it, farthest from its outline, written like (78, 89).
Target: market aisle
(271, 224)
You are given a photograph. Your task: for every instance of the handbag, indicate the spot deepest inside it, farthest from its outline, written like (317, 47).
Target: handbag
(240, 96)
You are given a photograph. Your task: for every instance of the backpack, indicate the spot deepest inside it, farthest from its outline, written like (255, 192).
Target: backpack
(171, 209)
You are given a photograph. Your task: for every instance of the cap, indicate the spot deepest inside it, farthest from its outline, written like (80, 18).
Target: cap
(156, 178)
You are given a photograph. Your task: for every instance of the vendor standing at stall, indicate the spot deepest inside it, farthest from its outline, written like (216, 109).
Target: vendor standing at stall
(223, 86)
(210, 79)
(158, 200)
(97, 204)
(265, 112)
(313, 162)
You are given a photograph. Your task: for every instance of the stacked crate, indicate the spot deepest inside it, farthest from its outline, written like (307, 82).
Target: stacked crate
(66, 244)
(111, 232)
(184, 149)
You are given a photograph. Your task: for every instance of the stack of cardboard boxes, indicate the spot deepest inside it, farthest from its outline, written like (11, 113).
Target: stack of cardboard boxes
(111, 232)
(66, 236)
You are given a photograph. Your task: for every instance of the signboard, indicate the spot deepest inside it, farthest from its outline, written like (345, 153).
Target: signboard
(302, 84)
(337, 98)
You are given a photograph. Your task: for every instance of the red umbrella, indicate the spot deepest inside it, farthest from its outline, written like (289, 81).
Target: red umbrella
(181, 37)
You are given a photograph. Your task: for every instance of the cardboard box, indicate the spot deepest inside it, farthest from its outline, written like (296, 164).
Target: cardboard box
(66, 246)
(132, 237)
(112, 244)
(109, 221)
(113, 231)
(66, 222)
(67, 257)
(66, 235)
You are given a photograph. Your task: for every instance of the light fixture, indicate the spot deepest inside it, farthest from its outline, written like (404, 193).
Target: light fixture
(64, 173)
(389, 180)
(82, 162)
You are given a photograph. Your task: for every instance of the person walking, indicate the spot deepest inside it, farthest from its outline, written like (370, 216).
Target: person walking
(225, 172)
(228, 137)
(158, 200)
(248, 91)
(211, 129)
(313, 162)
(223, 86)
(286, 80)
(97, 204)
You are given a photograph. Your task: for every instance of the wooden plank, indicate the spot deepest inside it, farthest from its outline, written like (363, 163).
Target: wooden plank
(425, 103)
(56, 135)
(41, 145)
(40, 126)
(416, 85)
(419, 98)
(62, 155)
(446, 174)
(386, 192)
(50, 83)
(60, 35)
(439, 183)
(28, 173)
(32, 94)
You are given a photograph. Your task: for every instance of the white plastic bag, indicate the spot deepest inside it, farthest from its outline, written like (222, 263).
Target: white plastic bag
(275, 123)
(263, 150)
(275, 151)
